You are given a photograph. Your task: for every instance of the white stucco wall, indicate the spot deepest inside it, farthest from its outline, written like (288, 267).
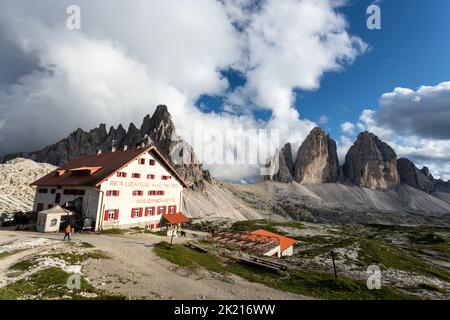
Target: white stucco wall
(272, 251)
(289, 251)
(126, 201)
(95, 201)
(89, 204)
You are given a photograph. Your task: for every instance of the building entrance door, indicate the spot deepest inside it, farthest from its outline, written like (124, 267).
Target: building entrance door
(58, 198)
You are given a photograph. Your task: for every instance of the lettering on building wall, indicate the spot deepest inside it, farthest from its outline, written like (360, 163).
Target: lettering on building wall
(162, 200)
(141, 184)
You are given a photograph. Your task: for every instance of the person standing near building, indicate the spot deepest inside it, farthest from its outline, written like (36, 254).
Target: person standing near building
(67, 232)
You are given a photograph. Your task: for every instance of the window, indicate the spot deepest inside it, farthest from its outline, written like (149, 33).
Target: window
(150, 176)
(161, 210)
(166, 177)
(149, 211)
(141, 160)
(122, 174)
(74, 192)
(42, 190)
(156, 193)
(172, 209)
(136, 212)
(138, 193)
(112, 193)
(111, 214)
(136, 175)
(152, 162)
(53, 191)
(40, 207)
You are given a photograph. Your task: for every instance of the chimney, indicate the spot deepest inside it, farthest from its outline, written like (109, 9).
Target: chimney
(99, 151)
(113, 149)
(125, 147)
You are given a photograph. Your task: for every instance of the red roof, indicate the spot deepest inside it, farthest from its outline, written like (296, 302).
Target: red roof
(284, 242)
(175, 218)
(98, 168)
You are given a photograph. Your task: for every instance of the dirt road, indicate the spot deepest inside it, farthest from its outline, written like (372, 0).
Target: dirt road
(136, 271)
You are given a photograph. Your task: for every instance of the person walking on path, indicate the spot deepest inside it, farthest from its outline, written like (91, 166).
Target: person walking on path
(67, 232)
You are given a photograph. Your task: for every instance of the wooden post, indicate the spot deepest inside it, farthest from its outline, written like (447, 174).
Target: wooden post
(334, 265)
(171, 238)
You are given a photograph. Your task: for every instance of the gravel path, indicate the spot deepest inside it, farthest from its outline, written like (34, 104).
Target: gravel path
(137, 272)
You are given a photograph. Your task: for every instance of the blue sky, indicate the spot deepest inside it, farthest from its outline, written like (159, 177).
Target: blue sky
(412, 49)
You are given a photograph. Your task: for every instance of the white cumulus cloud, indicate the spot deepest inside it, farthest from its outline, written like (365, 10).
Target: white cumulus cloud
(130, 56)
(415, 124)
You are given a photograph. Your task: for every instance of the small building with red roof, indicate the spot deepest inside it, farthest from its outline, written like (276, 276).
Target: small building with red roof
(285, 245)
(119, 189)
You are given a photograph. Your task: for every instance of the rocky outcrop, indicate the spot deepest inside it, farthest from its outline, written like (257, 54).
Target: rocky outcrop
(317, 160)
(282, 165)
(16, 194)
(157, 129)
(410, 174)
(371, 163)
(442, 185)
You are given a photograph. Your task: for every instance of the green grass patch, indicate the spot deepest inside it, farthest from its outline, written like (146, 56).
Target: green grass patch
(73, 258)
(10, 253)
(67, 257)
(322, 245)
(290, 224)
(185, 257)
(50, 283)
(431, 287)
(319, 285)
(24, 265)
(113, 231)
(375, 252)
(14, 274)
(86, 245)
(252, 225)
(303, 282)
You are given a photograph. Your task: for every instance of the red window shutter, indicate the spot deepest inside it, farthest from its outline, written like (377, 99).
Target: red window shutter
(116, 214)
(106, 215)
(140, 212)
(175, 209)
(117, 193)
(157, 226)
(132, 212)
(165, 209)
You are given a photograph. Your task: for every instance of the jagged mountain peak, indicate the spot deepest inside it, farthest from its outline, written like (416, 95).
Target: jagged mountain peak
(317, 160)
(371, 163)
(411, 175)
(157, 129)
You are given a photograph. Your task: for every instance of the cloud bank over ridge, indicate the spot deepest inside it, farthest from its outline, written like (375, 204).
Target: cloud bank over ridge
(131, 56)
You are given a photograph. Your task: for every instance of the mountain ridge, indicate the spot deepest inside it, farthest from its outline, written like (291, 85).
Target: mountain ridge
(314, 186)
(157, 129)
(369, 163)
